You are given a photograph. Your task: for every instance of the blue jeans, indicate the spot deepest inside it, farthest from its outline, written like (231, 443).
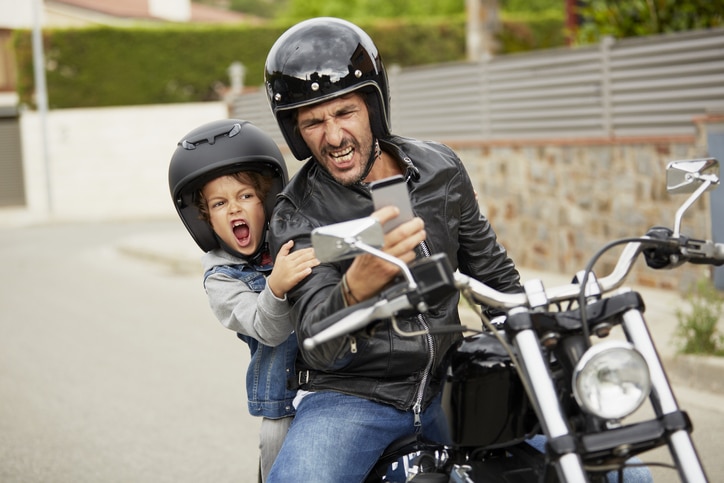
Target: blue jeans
(337, 437)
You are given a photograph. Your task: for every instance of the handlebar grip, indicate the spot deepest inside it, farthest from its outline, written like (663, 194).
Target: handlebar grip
(341, 323)
(667, 251)
(705, 252)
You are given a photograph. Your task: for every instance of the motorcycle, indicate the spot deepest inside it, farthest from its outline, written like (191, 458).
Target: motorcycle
(543, 374)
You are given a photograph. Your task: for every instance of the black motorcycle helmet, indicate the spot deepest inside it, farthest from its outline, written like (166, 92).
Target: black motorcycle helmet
(320, 59)
(215, 149)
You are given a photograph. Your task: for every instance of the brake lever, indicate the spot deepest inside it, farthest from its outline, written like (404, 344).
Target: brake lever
(703, 252)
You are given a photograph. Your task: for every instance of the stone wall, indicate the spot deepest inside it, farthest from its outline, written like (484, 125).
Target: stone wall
(554, 205)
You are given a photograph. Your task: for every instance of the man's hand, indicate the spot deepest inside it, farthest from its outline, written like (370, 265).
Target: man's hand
(368, 274)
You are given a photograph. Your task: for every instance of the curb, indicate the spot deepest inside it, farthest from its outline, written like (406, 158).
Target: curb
(704, 373)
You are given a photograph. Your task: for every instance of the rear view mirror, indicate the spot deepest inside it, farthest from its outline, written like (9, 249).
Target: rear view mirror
(341, 241)
(348, 239)
(687, 176)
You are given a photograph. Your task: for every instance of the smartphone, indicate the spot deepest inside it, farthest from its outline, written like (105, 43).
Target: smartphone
(392, 191)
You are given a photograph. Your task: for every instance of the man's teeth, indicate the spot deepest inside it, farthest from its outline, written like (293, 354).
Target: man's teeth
(344, 155)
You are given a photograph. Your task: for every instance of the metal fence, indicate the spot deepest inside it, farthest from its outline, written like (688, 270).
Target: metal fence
(649, 86)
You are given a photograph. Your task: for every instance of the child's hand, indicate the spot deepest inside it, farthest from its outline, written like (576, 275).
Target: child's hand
(290, 268)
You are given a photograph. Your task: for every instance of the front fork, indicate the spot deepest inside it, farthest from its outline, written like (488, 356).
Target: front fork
(542, 392)
(662, 398)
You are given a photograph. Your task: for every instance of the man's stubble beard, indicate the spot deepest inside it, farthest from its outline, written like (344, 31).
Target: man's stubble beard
(358, 178)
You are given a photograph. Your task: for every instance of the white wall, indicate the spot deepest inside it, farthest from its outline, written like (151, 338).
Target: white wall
(104, 163)
(174, 10)
(17, 13)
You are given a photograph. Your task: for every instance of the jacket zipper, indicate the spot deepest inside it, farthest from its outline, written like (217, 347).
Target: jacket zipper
(417, 407)
(412, 171)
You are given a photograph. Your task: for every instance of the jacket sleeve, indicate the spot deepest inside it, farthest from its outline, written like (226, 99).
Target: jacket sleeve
(262, 316)
(317, 296)
(480, 254)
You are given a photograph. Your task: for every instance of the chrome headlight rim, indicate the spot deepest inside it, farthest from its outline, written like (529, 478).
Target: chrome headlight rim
(596, 356)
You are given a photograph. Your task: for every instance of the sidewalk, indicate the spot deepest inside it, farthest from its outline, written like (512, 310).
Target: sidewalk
(175, 249)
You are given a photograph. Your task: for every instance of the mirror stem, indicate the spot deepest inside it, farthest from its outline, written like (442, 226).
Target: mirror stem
(685, 206)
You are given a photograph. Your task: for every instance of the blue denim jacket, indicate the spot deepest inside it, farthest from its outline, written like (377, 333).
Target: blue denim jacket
(270, 367)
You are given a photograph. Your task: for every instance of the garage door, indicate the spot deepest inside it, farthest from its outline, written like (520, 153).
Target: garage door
(12, 186)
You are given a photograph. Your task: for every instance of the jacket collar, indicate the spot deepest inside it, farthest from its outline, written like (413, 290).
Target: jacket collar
(391, 145)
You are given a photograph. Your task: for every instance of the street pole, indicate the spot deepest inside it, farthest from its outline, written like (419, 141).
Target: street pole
(483, 23)
(41, 94)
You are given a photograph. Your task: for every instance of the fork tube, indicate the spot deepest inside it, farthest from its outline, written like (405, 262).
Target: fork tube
(535, 368)
(663, 399)
(638, 334)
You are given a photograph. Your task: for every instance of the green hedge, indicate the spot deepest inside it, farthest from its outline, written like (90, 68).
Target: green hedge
(523, 32)
(124, 66)
(105, 66)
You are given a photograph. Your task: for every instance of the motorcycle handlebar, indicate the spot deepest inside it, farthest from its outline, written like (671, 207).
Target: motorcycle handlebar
(693, 251)
(491, 297)
(359, 316)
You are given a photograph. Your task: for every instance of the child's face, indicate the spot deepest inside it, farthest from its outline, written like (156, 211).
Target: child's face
(236, 213)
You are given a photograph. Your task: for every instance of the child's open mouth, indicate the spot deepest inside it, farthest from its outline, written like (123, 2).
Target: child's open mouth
(241, 232)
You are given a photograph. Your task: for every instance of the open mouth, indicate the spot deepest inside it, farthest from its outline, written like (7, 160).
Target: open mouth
(242, 233)
(344, 153)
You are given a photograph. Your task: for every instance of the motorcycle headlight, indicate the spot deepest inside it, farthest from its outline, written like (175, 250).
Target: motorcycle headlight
(611, 380)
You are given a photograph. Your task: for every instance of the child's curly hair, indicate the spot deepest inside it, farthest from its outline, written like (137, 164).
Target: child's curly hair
(260, 183)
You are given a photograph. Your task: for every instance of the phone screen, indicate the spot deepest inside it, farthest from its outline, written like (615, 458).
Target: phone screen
(392, 191)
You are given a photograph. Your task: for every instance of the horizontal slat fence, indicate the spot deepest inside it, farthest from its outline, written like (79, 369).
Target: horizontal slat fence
(650, 86)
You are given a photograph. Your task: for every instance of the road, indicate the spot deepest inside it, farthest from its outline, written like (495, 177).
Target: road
(113, 369)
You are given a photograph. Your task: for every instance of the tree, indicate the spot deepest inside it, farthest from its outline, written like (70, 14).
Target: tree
(632, 18)
(531, 6)
(356, 10)
(260, 8)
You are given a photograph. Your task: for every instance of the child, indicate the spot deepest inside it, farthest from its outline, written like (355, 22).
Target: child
(224, 177)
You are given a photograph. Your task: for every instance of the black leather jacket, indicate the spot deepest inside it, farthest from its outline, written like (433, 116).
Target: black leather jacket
(380, 365)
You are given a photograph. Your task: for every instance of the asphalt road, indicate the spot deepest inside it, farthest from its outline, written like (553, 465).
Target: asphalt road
(113, 369)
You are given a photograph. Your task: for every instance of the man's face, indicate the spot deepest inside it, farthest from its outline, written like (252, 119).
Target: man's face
(339, 135)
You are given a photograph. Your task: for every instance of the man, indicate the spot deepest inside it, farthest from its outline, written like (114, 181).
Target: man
(328, 90)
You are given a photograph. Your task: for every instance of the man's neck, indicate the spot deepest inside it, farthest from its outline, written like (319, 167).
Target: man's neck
(384, 167)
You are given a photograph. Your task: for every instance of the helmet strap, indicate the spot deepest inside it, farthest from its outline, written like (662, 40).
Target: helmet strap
(374, 156)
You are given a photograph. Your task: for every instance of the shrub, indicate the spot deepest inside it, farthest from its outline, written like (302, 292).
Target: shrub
(112, 66)
(697, 331)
